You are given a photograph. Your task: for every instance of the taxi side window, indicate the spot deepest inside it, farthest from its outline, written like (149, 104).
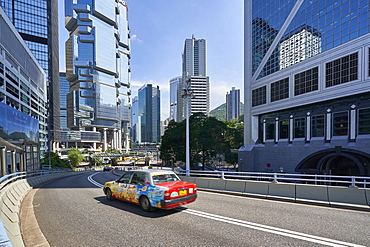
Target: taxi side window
(138, 179)
(125, 178)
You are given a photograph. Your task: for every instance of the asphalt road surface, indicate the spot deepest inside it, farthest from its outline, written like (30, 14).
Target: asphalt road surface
(74, 211)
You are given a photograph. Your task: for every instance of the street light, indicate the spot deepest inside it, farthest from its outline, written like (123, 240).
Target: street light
(186, 93)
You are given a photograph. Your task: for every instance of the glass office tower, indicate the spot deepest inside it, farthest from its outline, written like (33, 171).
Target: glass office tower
(37, 23)
(233, 104)
(307, 87)
(97, 67)
(148, 114)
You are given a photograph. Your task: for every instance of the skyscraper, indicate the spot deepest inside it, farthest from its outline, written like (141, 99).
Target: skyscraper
(306, 85)
(97, 67)
(135, 130)
(149, 113)
(174, 91)
(64, 90)
(233, 104)
(194, 75)
(37, 23)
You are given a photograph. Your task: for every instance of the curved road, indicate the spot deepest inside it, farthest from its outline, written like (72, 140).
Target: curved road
(73, 211)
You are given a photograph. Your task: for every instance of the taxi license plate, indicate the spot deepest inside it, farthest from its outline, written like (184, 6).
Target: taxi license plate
(183, 192)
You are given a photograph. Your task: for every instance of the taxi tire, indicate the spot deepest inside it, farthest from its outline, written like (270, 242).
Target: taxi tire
(108, 193)
(145, 204)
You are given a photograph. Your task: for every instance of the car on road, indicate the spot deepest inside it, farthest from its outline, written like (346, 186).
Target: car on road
(151, 189)
(107, 168)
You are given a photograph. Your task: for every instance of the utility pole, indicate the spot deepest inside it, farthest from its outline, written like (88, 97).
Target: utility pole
(186, 93)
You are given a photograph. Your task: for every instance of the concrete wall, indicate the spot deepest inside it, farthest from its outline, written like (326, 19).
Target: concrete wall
(11, 198)
(330, 195)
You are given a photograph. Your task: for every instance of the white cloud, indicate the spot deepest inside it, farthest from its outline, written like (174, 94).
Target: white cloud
(134, 38)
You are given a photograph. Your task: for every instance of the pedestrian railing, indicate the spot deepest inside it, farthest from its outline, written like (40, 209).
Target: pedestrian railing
(333, 180)
(7, 179)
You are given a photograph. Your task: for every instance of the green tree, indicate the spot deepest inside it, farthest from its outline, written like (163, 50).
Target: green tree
(207, 139)
(235, 134)
(173, 142)
(75, 157)
(55, 161)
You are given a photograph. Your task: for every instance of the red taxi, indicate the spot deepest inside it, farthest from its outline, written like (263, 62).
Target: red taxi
(151, 189)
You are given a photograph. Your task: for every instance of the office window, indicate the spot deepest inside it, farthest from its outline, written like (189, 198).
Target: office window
(259, 96)
(284, 129)
(306, 81)
(299, 127)
(364, 121)
(270, 130)
(280, 90)
(342, 70)
(318, 126)
(340, 124)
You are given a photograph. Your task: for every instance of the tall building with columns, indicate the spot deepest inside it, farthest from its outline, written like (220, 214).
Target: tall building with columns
(97, 68)
(307, 87)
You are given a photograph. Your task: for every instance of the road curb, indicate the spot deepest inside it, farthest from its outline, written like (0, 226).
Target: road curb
(31, 233)
(11, 198)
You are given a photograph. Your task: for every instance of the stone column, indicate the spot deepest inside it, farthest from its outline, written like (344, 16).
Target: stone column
(13, 162)
(352, 124)
(21, 163)
(119, 139)
(308, 127)
(276, 130)
(291, 129)
(3, 166)
(328, 125)
(264, 131)
(105, 144)
(115, 139)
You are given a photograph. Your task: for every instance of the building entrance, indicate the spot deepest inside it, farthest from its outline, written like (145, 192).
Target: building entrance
(337, 161)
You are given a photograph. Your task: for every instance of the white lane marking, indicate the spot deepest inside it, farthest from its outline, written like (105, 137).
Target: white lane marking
(274, 230)
(91, 180)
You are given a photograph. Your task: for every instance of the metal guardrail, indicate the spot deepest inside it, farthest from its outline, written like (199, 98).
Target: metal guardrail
(350, 181)
(7, 179)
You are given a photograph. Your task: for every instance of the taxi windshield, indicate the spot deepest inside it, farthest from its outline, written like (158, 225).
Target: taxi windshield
(164, 178)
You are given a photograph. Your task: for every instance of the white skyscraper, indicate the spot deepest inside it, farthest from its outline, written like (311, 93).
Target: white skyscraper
(194, 73)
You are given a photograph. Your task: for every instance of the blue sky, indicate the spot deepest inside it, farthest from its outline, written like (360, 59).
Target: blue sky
(158, 31)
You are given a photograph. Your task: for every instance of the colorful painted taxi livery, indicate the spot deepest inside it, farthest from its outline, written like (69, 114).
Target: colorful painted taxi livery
(151, 189)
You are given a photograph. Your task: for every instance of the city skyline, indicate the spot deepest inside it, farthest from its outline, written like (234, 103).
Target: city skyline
(157, 43)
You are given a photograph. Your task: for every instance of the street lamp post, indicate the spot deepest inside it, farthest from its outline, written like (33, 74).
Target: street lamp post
(186, 93)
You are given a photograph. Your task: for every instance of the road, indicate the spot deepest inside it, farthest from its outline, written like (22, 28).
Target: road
(73, 211)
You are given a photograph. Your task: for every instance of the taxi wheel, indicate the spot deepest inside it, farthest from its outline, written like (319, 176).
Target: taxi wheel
(108, 193)
(145, 204)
